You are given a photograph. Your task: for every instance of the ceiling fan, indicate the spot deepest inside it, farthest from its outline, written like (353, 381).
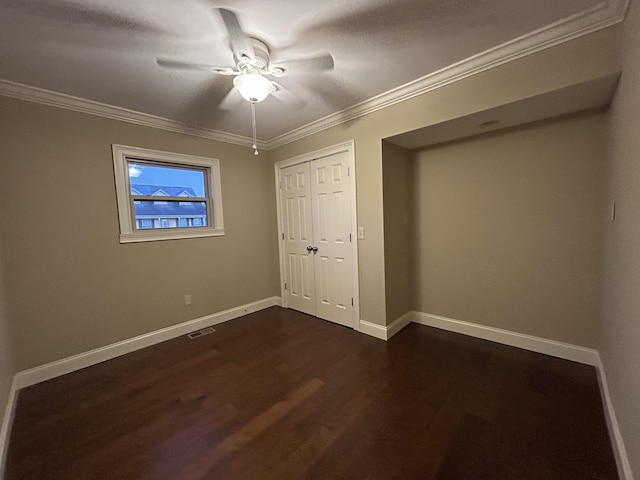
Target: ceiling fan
(253, 64)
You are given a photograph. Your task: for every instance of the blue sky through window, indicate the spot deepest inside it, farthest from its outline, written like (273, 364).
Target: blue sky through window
(142, 174)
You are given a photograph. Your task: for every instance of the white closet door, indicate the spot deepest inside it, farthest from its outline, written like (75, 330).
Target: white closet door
(295, 200)
(331, 204)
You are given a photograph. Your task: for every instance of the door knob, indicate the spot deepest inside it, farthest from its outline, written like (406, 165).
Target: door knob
(309, 248)
(315, 249)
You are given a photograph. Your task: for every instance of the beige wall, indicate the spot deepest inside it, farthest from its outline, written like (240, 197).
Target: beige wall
(71, 285)
(7, 369)
(573, 62)
(508, 229)
(620, 341)
(397, 171)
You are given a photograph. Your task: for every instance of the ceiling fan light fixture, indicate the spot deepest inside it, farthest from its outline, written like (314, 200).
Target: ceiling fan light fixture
(253, 86)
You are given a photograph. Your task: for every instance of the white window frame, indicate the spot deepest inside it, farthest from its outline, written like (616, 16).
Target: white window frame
(122, 154)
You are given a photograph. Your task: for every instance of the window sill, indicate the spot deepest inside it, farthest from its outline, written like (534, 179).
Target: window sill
(168, 235)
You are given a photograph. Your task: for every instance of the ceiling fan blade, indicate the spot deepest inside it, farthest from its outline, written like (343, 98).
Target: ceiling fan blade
(178, 64)
(318, 63)
(231, 100)
(240, 42)
(201, 108)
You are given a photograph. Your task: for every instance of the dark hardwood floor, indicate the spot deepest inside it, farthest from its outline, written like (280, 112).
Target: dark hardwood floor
(281, 395)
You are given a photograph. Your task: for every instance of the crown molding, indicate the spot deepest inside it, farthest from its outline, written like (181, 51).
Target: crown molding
(77, 104)
(605, 14)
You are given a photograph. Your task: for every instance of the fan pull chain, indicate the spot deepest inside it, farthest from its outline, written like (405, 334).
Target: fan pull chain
(253, 124)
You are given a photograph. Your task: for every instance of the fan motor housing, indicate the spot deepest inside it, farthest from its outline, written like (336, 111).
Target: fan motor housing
(261, 57)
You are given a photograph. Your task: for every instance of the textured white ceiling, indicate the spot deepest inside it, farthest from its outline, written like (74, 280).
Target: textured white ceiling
(106, 50)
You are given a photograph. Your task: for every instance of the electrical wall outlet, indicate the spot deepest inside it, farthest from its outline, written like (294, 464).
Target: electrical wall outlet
(187, 299)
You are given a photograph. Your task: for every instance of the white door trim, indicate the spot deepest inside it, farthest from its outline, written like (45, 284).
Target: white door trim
(349, 148)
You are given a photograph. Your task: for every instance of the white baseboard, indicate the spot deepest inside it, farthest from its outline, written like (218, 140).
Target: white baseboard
(82, 360)
(567, 351)
(619, 450)
(7, 422)
(385, 333)
(398, 324)
(373, 329)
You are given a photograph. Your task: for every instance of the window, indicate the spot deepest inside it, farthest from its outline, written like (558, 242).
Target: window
(163, 196)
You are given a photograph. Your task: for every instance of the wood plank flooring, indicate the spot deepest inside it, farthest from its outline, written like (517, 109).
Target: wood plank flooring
(281, 395)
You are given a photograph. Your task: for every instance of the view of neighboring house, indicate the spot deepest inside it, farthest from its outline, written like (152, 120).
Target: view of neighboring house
(167, 213)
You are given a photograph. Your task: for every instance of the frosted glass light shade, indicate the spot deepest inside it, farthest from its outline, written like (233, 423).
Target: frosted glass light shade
(253, 87)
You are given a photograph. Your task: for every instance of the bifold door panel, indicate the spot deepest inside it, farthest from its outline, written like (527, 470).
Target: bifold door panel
(298, 235)
(316, 204)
